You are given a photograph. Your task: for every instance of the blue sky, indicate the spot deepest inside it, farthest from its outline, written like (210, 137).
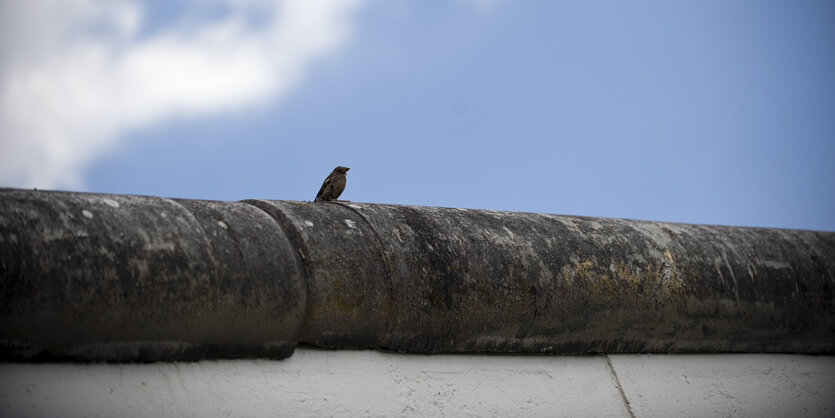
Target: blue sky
(710, 112)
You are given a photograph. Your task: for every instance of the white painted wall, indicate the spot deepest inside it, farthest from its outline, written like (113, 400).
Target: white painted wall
(369, 383)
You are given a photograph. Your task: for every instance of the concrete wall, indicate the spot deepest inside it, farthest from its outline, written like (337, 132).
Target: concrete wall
(318, 383)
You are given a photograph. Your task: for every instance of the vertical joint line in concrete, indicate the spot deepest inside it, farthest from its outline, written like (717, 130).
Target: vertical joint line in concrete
(206, 241)
(386, 259)
(620, 387)
(294, 236)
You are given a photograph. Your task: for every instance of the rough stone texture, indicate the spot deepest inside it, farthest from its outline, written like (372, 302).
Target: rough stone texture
(113, 277)
(348, 287)
(476, 280)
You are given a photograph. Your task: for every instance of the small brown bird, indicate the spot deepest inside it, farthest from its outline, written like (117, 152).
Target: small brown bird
(333, 185)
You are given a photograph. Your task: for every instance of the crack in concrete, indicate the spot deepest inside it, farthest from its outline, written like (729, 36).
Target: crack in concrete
(620, 387)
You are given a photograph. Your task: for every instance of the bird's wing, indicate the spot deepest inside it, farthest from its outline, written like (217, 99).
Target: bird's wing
(324, 185)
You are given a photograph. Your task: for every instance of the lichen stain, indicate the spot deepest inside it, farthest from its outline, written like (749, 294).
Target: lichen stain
(670, 284)
(660, 282)
(603, 288)
(343, 300)
(584, 270)
(582, 278)
(633, 286)
(674, 287)
(566, 273)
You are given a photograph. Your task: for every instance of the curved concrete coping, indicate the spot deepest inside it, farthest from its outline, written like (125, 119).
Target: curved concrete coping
(136, 278)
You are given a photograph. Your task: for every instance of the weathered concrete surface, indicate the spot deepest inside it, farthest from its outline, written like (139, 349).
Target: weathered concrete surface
(114, 277)
(318, 383)
(348, 383)
(732, 385)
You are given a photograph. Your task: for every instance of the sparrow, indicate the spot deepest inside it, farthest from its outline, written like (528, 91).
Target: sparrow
(333, 185)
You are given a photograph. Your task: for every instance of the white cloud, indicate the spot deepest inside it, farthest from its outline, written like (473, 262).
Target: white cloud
(76, 75)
